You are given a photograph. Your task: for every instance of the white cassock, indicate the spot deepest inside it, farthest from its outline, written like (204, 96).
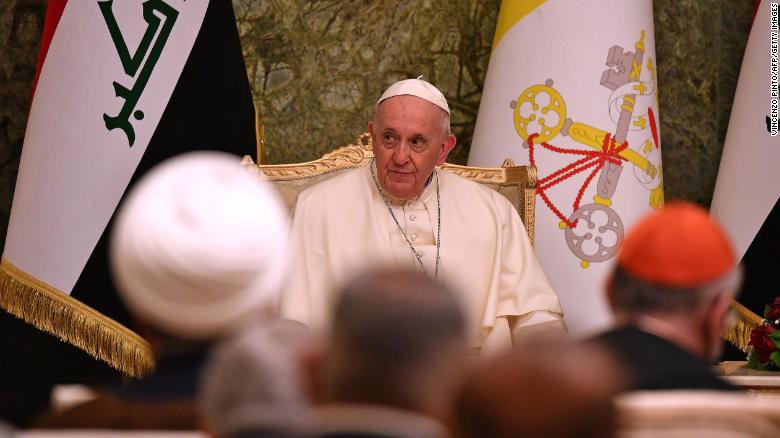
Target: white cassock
(342, 225)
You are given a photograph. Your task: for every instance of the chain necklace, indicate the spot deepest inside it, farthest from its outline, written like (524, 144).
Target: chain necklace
(438, 225)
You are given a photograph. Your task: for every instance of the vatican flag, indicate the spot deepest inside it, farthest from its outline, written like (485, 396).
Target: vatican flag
(571, 89)
(747, 192)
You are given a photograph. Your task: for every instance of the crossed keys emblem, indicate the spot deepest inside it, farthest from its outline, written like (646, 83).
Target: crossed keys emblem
(140, 64)
(594, 231)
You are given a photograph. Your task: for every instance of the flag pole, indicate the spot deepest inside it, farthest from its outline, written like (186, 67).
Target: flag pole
(259, 136)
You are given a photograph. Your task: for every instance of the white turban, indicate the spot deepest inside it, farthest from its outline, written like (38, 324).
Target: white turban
(418, 88)
(200, 246)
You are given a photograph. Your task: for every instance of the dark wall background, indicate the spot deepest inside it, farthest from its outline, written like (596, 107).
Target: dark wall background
(699, 45)
(21, 24)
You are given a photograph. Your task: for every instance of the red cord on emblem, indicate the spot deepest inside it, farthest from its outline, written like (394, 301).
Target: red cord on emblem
(592, 159)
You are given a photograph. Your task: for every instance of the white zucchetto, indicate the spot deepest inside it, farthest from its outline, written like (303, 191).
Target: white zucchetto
(418, 88)
(200, 246)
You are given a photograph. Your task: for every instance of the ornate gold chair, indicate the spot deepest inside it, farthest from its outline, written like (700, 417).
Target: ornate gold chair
(516, 183)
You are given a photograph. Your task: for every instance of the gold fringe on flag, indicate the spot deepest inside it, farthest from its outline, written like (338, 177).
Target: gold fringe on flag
(739, 333)
(57, 313)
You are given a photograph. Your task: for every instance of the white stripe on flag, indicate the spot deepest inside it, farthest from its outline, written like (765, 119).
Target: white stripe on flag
(74, 169)
(748, 183)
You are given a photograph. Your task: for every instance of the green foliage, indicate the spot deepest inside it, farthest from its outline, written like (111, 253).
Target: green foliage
(775, 359)
(753, 361)
(775, 337)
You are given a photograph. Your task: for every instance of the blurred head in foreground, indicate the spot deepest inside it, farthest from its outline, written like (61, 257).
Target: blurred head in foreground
(397, 339)
(252, 383)
(199, 247)
(541, 392)
(676, 275)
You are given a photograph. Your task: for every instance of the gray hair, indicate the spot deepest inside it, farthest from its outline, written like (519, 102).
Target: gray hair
(389, 325)
(252, 383)
(6, 431)
(634, 296)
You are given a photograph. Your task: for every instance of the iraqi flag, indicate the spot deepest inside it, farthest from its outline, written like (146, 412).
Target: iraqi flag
(747, 190)
(124, 85)
(571, 89)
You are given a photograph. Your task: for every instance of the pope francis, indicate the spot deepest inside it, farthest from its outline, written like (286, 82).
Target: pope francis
(400, 210)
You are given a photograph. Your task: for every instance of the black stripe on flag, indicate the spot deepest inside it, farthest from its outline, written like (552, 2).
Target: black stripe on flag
(760, 263)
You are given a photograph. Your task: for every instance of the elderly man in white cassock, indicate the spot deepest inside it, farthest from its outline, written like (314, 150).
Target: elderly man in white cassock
(400, 210)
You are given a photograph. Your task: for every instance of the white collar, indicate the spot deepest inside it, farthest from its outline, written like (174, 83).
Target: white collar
(428, 193)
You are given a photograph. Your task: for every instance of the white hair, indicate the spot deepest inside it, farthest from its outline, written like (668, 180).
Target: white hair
(635, 296)
(446, 127)
(251, 382)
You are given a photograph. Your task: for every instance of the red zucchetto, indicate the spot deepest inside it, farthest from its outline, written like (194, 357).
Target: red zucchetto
(677, 246)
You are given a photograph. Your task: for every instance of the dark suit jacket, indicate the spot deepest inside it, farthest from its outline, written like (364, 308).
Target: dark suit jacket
(165, 400)
(655, 363)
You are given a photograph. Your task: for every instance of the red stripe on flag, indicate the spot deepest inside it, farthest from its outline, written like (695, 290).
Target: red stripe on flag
(755, 11)
(53, 13)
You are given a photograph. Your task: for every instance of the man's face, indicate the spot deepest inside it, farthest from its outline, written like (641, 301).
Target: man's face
(409, 141)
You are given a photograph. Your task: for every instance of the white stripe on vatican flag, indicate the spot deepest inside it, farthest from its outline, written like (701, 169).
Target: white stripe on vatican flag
(748, 183)
(108, 75)
(579, 74)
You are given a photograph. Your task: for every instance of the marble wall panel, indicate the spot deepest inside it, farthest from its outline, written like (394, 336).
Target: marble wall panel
(317, 67)
(21, 24)
(699, 47)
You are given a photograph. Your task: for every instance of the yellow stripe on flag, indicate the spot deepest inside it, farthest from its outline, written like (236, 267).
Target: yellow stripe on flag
(510, 13)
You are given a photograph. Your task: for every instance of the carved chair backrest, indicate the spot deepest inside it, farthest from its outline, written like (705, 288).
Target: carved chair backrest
(516, 183)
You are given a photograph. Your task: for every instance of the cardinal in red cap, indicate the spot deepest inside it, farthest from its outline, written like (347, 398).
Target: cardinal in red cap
(670, 292)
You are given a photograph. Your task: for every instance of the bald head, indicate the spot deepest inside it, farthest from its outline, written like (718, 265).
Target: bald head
(397, 338)
(541, 392)
(401, 316)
